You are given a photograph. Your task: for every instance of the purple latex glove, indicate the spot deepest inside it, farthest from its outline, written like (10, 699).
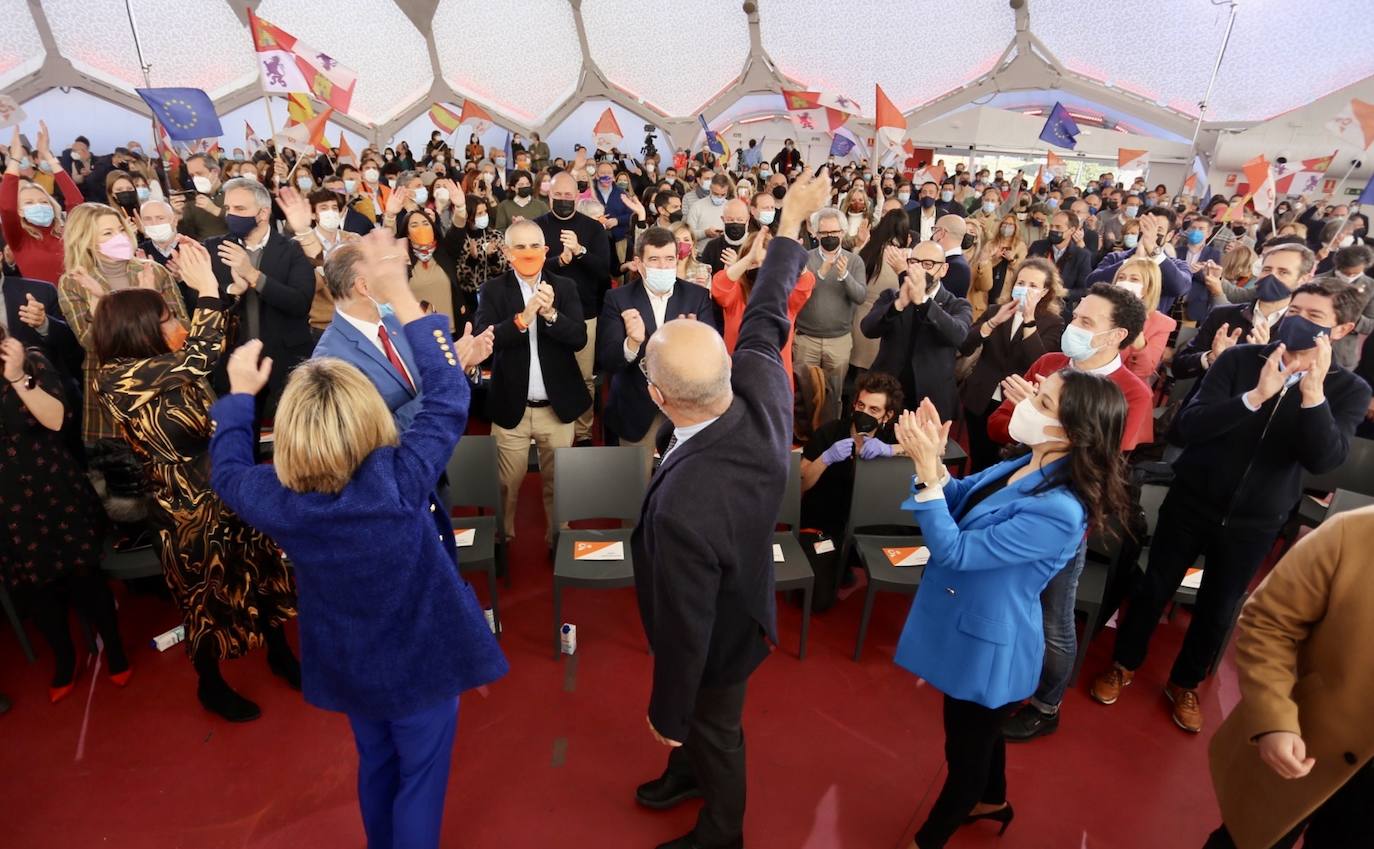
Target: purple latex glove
(875, 448)
(839, 452)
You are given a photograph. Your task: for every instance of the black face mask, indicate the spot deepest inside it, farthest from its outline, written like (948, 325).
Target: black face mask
(779, 192)
(967, 243)
(564, 208)
(582, 185)
(927, 202)
(524, 191)
(863, 422)
(1111, 205)
(734, 231)
(830, 243)
(1054, 238)
(674, 217)
(931, 282)
(128, 200)
(1239, 229)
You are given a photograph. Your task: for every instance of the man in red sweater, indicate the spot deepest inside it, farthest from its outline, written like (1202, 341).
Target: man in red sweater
(1105, 322)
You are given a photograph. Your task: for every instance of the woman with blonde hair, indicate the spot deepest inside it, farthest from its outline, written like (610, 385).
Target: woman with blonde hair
(29, 217)
(234, 591)
(390, 632)
(1141, 278)
(998, 255)
(124, 197)
(688, 268)
(99, 259)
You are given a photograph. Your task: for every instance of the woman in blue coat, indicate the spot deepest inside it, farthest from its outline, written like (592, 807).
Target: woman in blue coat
(995, 539)
(390, 634)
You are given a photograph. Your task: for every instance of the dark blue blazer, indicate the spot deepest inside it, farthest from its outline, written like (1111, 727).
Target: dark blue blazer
(60, 346)
(341, 339)
(388, 627)
(958, 276)
(703, 548)
(974, 631)
(630, 411)
(1199, 299)
(615, 208)
(1174, 278)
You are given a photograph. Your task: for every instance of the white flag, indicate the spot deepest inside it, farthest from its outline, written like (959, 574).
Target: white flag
(10, 111)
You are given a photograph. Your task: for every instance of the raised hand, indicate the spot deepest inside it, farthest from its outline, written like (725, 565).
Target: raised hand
(1271, 378)
(12, 354)
(396, 201)
(247, 375)
(1033, 298)
(474, 350)
(1225, 338)
(1016, 388)
(146, 277)
(295, 208)
(806, 195)
(236, 257)
(193, 261)
(32, 312)
(634, 328)
(894, 258)
(1004, 313)
(729, 257)
(1314, 381)
(384, 269)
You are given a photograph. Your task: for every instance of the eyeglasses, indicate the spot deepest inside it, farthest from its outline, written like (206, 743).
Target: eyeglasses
(927, 264)
(644, 370)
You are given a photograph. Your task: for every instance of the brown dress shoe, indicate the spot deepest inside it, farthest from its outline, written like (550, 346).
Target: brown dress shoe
(1107, 687)
(1187, 708)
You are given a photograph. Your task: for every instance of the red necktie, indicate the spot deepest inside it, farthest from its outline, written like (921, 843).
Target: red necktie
(392, 356)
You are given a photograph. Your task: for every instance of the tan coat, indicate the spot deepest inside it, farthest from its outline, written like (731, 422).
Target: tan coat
(1305, 650)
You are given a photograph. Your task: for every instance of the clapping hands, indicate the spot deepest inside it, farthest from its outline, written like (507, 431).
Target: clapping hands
(923, 437)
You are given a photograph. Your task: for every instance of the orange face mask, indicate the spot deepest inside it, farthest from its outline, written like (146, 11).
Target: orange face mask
(421, 232)
(176, 336)
(527, 261)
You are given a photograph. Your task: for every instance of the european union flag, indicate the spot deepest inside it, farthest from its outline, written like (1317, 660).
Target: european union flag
(1060, 129)
(713, 141)
(1367, 196)
(841, 145)
(186, 113)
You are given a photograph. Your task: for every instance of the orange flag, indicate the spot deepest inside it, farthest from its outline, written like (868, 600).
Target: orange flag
(345, 152)
(1054, 164)
(889, 124)
(1129, 157)
(315, 126)
(480, 118)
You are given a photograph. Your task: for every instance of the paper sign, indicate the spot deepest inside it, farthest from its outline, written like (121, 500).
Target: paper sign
(915, 556)
(10, 113)
(824, 546)
(1193, 579)
(465, 536)
(777, 554)
(588, 550)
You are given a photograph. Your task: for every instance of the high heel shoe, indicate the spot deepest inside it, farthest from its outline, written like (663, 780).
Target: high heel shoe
(1003, 815)
(57, 694)
(121, 679)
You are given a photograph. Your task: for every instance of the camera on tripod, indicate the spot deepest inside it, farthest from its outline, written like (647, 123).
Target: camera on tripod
(649, 135)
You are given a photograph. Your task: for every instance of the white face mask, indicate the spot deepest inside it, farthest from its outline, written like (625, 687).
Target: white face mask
(249, 175)
(1028, 424)
(330, 219)
(159, 232)
(202, 184)
(1132, 287)
(660, 280)
(371, 175)
(481, 222)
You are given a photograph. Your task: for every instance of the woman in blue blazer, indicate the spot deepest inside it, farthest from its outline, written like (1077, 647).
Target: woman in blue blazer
(995, 539)
(390, 634)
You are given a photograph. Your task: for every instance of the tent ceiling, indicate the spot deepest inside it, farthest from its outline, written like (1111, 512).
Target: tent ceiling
(665, 61)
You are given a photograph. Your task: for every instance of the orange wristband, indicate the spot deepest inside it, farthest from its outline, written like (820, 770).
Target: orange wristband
(520, 322)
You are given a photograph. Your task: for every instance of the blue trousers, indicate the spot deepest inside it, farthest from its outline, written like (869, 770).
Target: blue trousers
(403, 776)
(1057, 603)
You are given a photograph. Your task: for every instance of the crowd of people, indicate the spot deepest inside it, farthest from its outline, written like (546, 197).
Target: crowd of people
(161, 318)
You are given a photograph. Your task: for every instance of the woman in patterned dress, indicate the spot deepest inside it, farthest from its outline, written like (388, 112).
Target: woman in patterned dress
(233, 587)
(53, 522)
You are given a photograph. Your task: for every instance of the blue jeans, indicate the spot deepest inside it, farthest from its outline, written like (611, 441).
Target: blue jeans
(403, 776)
(1061, 632)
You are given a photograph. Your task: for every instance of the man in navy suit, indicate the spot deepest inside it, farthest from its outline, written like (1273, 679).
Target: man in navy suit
(703, 546)
(617, 216)
(949, 233)
(1058, 246)
(362, 335)
(628, 320)
(32, 315)
(1195, 251)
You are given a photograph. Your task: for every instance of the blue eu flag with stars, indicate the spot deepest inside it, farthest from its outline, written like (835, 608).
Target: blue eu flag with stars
(1060, 129)
(186, 113)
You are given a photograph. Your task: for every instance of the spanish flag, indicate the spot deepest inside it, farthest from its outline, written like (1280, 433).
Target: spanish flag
(443, 118)
(299, 109)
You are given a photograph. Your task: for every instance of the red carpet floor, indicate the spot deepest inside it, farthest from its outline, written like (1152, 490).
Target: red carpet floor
(841, 754)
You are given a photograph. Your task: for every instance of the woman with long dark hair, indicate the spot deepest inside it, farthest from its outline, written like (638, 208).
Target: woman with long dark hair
(996, 538)
(883, 262)
(230, 581)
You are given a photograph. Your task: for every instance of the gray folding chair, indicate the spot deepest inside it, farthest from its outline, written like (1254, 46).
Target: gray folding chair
(794, 572)
(1356, 475)
(1183, 337)
(1104, 554)
(18, 626)
(1345, 500)
(594, 483)
(473, 482)
(880, 487)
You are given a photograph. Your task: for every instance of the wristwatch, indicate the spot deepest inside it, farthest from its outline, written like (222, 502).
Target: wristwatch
(581, 250)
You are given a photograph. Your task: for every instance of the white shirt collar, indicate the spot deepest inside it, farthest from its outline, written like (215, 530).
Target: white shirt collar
(685, 433)
(531, 284)
(1103, 371)
(954, 251)
(367, 328)
(259, 245)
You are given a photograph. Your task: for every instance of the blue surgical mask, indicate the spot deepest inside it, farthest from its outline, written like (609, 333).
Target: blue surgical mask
(1195, 237)
(1018, 293)
(25, 164)
(304, 183)
(717, 200)
(989, 206)
(1270, 289)
(143, 193)
(946, 196)
(660, 280)
(39, 214)
(1132, 211)
(1130, 240)
(350, 186)
(1077, 343)
(383, 310)
(764, 174)
(766, 216)
(1299, 334)
(421, 195)
(1052, 203)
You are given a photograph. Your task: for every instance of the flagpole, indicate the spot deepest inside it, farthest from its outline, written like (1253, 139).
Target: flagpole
(1211, 83)
(1346, 220)
(143, 66)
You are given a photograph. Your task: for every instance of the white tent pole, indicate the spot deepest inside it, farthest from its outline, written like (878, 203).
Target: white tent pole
(1211, 83)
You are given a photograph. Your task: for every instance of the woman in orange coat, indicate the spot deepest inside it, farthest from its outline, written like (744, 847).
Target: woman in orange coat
(731, 285)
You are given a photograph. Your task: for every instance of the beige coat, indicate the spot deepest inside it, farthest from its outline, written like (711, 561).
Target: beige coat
(1304, 649)
(866, 349)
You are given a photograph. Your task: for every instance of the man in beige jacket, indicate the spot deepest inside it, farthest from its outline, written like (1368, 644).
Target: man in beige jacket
(1295, 755)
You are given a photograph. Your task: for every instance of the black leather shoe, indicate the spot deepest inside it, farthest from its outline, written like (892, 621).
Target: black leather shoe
(219, 698)
(689, 841)
(666, 792)
(1028, 723)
